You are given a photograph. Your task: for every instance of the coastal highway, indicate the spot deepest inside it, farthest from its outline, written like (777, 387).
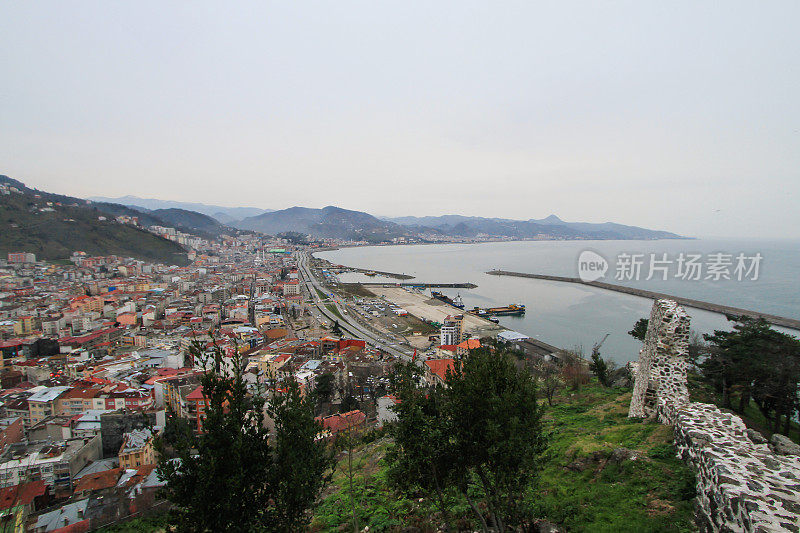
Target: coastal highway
(348, 325)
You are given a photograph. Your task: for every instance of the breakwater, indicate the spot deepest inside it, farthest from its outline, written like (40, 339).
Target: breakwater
(689, 302)
(423, 285)
(381, 273)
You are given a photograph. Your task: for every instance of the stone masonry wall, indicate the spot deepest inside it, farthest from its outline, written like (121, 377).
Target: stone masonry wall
(743, 483)
(661, 373)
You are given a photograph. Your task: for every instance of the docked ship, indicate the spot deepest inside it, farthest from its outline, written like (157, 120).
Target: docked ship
(509, 310)
(457, 302)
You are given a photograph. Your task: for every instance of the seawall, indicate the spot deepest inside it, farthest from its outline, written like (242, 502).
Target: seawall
(689, 302)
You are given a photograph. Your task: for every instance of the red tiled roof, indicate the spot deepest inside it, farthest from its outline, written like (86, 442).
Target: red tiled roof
(196, 394)
(470, 344)
(98, 481)
(21, 494)
(340, 422)
(440, 367)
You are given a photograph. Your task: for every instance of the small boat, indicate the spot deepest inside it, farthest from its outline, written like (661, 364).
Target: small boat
(494, 319)
(370, 273)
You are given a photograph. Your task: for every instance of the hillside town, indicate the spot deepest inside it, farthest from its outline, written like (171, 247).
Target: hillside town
(96, 361)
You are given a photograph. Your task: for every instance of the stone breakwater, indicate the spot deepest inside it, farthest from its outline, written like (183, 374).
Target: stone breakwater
(744, 483)
(776, 320)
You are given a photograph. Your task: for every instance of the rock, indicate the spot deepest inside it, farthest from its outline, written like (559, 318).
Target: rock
(756, 437)
(544, 526)
(621, 378)
(620, 455)
(582, 463)
(784, 445)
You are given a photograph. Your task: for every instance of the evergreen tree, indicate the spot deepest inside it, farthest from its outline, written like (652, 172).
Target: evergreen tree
(756, 363)
(301, 464)
(232, 477)
(599, 368)
(479, 436)
(639, 330)
(323, 387)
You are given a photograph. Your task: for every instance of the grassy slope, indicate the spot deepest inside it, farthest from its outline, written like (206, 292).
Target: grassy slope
(50, 235)
(651, 493)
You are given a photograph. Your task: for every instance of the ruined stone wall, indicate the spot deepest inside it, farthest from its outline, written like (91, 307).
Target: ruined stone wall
(744, 483)
(661, 373)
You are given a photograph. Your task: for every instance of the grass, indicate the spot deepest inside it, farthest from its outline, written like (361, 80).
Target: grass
(377, 504)
(357, 290)
(584, 489)
(415, 324)
(332, 309)
(321, 294)
(581, 487)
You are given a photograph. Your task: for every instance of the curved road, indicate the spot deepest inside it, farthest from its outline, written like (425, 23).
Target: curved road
(345, 322)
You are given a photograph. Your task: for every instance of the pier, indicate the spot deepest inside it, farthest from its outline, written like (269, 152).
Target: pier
(380, 273)
(422, 285)
(775, 320)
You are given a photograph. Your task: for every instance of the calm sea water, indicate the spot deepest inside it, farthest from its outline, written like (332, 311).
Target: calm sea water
(569, 315)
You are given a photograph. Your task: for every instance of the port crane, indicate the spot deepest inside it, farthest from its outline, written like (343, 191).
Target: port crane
(597, 345)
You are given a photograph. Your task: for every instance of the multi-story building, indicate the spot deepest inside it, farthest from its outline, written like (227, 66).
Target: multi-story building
(54, 463)
(452, 331)
(43, 403)
(137, 449)
(21, 257)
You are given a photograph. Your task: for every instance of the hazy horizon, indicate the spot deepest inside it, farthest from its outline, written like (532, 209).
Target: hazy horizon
(681, 116)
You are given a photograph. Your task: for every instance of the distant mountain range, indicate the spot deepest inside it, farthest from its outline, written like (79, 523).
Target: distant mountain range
(335, 222)
(458, 225)
(53, 226)
(328, 222)
(226, 215)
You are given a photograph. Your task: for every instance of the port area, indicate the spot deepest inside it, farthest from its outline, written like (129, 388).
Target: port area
(775, 320)
(433, 310)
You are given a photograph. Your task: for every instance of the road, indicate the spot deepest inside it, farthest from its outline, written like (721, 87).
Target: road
(345, 322)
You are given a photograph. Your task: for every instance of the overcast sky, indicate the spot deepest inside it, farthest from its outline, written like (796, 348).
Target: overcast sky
(669, 115)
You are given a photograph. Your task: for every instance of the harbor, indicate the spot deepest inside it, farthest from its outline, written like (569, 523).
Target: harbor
(689, 302)
(430, 309)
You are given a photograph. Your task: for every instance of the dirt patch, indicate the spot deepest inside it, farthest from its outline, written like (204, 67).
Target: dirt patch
(656, 507)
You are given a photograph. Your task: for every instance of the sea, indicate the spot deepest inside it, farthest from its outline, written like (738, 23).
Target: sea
(758, 275)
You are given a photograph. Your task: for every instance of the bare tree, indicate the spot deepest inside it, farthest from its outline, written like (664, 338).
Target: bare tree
(549, 379)
(574, 367)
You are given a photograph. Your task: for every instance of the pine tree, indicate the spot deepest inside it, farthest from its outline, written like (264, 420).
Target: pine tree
(599, 368)
(234, 477)
(479, 436)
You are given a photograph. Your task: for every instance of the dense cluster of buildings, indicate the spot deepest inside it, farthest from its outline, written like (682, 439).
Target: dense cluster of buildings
(98, 354)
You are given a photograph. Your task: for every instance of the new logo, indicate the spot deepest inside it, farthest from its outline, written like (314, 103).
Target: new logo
(591, 266)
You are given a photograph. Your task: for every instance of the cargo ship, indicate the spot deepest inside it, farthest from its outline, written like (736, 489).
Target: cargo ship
(455, 302)
(509, 310)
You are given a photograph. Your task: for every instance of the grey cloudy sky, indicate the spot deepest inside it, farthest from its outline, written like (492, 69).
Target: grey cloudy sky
(674, 115)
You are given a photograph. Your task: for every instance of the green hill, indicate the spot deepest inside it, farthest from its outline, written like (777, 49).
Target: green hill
(190, 219)
(603, 472)
(62, 229)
